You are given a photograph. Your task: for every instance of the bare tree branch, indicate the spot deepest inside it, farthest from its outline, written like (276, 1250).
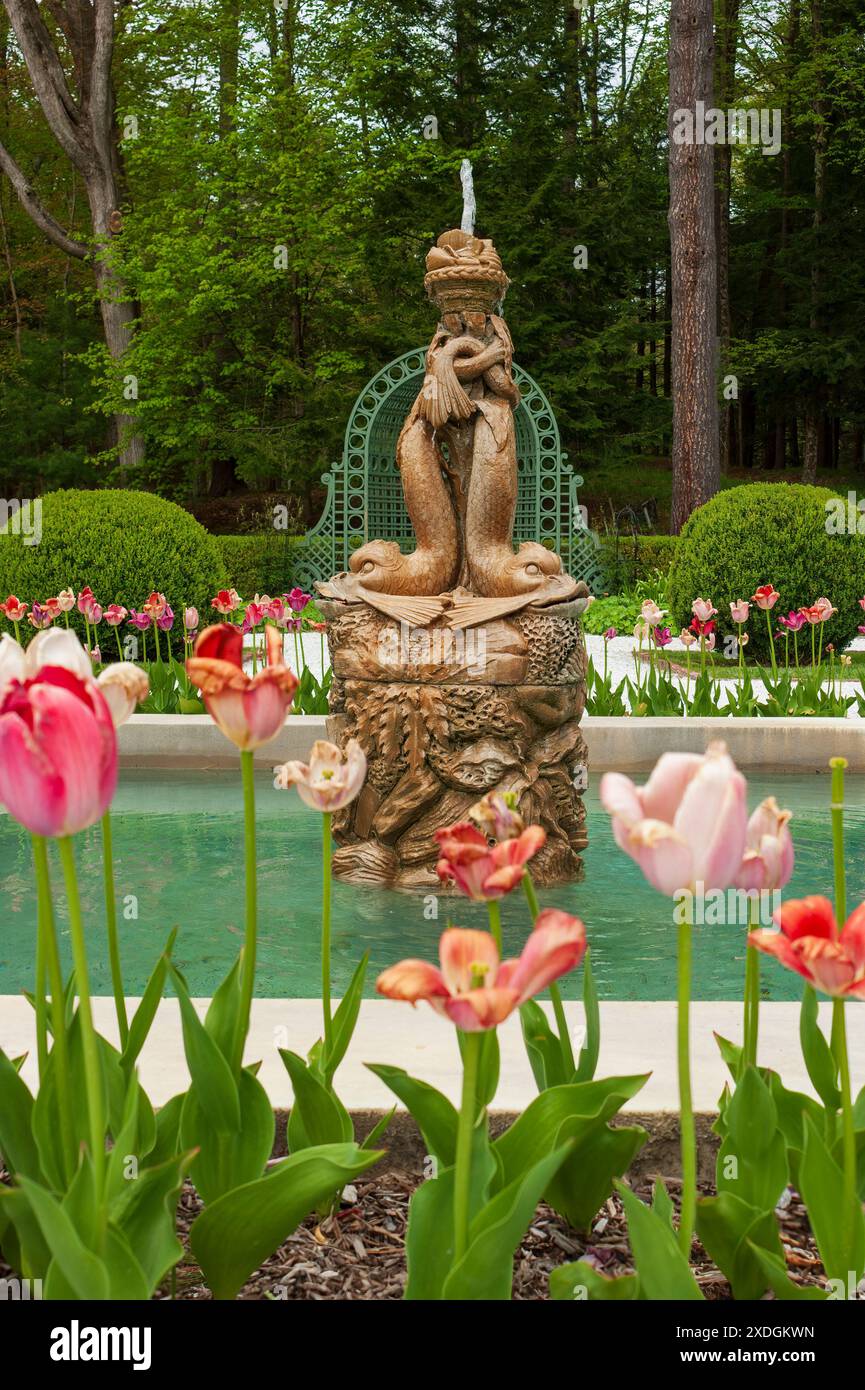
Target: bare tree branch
(37, 213)
(49, 80)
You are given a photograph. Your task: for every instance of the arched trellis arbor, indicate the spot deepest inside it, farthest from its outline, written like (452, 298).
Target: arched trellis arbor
(364, 492)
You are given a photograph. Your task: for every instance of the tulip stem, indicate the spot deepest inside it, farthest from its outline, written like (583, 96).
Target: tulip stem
(60, 1048)
(567, 1050)
(686, 1110)
(771, 645)
(494, 912)
(326, 850)
(111, 927)
(752, 1005)
(247, 987)
(839, 1029)
(90, 1046)
(840, 880)
(471, 1050)
(39, 999)
(119, 648)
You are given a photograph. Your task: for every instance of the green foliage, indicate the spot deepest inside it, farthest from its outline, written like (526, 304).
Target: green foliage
(258, 564)
(636, 558)
(620, 611)
(123, 544)
(769, 533)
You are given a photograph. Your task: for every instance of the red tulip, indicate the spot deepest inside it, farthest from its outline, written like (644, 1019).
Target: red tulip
(472, 988)
(58, 752)
(482, 873)
(809, 943)
(250, 710)
(14, 609)
(766, 596)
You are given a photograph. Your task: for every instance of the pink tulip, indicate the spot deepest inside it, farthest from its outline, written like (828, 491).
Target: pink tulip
(739, 610)
(479, 872)
(825, 607)
(58, 752)
(703, 609)
(141, 621)
(687, 825)
(52, 606)
(472, 988)
(94, 614)
(253, 617)
(114, 614)
(66, 600)
(330, 780)
(687, 638)
(610, 633)
(793, 621)
(651, 613)
(190, 619)
(768, 861)
(86, 599)
(809, 943)
(662, 637)
(297, 600)
(250, 710)
(165, 621)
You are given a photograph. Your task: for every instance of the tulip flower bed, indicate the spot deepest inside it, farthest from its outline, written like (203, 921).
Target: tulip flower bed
(99, 1186)
(170, 690)
(805, 677)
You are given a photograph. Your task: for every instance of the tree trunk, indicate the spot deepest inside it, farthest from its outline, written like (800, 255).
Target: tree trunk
(696, 466)
(813, 449)
(83, 126)
(726, 42)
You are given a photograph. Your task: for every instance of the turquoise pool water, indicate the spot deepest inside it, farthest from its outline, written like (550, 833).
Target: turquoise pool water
(178, 862)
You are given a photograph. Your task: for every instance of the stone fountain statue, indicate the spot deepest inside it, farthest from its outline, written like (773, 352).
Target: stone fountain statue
(460, 667)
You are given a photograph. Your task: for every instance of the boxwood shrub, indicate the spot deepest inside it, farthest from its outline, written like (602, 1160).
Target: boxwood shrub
(769, 533)
(123, 544)
(259, 563)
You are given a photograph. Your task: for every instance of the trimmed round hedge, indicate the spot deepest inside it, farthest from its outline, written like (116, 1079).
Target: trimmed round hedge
(124, 545)
(769, 533)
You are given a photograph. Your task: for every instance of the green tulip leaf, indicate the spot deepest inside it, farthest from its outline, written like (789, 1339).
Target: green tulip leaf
(232, 1238)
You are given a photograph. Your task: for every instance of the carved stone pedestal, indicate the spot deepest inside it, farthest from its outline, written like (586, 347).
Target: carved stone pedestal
(444, 717)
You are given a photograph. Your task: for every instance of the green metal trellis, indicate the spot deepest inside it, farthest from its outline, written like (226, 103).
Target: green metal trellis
(364, 492)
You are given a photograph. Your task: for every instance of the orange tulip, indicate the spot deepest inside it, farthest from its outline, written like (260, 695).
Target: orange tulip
(485, 874)
(250, 710)
(810, 943)
(473, 988)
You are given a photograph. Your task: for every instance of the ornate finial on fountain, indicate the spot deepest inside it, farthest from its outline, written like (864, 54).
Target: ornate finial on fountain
(469, 206)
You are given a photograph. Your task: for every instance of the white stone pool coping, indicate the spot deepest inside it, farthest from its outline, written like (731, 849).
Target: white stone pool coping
(796, 745)
(635, 1037)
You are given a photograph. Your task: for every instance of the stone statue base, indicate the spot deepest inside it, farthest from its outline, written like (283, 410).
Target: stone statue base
(444, 716)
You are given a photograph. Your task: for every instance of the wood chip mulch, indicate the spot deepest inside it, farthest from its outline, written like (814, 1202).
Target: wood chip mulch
(358, 1254)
